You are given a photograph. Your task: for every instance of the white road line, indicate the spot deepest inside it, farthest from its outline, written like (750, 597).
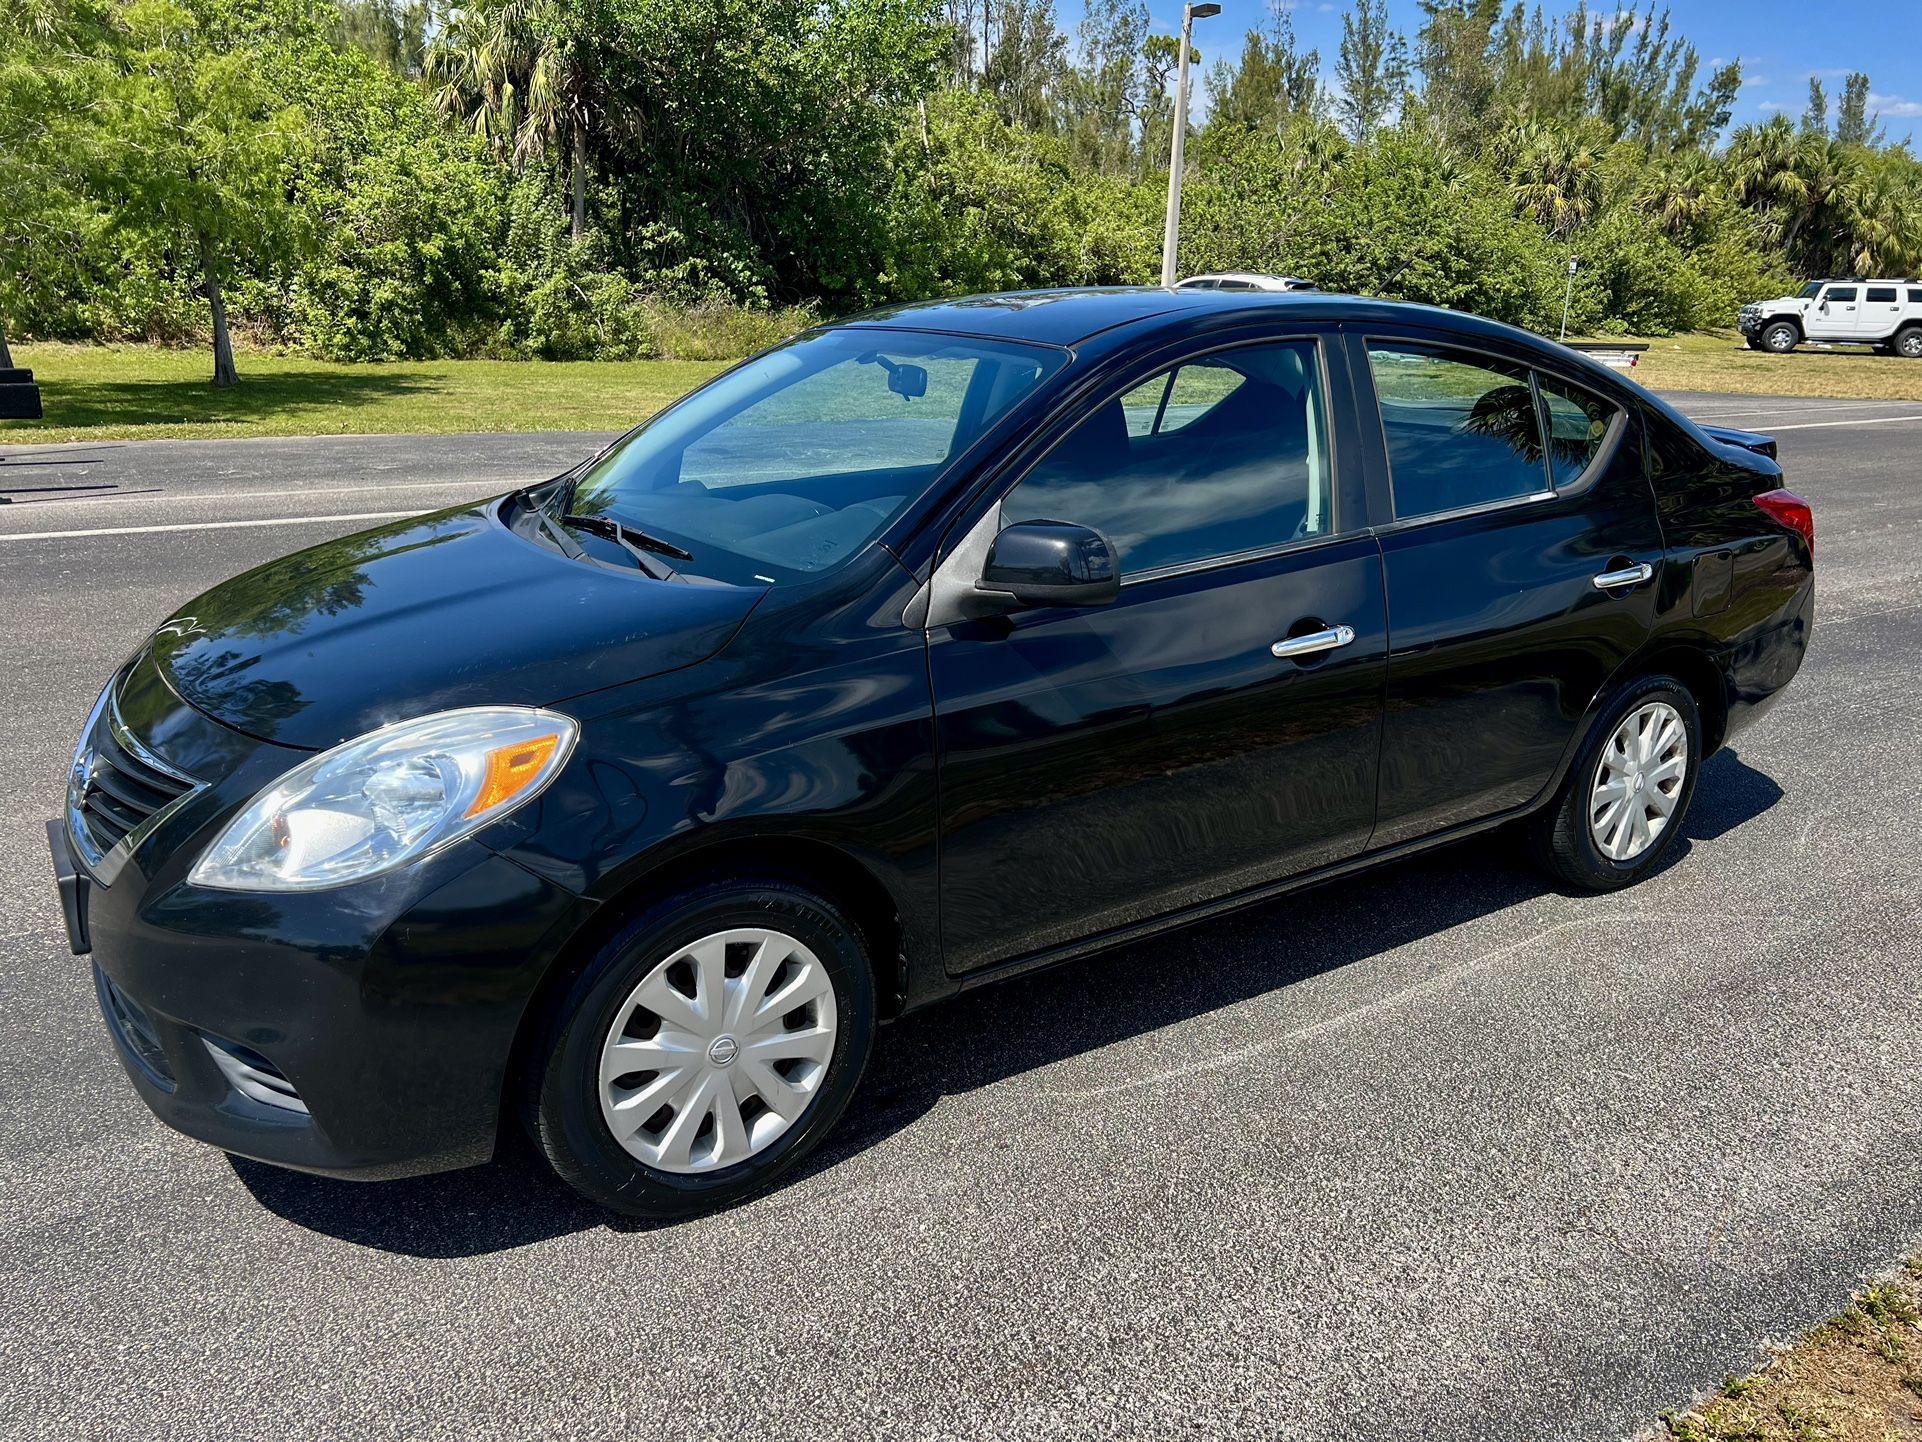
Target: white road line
(1860, 421)
(1792, 410)
(290, 491)
(203, 526)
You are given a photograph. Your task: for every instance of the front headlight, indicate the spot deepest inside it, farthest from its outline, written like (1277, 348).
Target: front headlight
(388, 798)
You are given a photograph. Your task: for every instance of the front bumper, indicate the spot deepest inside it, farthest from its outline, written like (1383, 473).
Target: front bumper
(1749, 321)
(362, 1032)
(387, 1036)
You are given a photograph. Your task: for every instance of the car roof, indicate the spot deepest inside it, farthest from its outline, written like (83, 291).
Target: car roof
(1068, 317)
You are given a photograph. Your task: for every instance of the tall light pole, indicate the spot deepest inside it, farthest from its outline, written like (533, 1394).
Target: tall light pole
(1171, 233)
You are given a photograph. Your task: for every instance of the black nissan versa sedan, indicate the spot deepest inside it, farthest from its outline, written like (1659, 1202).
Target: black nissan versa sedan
(926, 648)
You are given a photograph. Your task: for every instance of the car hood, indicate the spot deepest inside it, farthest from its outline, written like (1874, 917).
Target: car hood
(445, 610)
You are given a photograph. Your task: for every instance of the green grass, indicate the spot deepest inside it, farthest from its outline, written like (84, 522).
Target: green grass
(1856, 1378)
(135, 392)
(142, 392)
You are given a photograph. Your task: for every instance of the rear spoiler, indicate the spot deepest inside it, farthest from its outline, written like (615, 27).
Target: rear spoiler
(1748, 440)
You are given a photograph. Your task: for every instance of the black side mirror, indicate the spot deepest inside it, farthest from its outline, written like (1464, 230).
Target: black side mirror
(1052, 563)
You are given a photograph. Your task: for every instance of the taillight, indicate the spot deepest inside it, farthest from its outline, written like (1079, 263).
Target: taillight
(1792, 511)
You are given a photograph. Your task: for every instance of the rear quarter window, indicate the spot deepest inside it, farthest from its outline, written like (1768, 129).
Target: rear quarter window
(1882, 293)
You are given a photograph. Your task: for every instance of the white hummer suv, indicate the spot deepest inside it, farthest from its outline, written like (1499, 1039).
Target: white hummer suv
(1885, 314)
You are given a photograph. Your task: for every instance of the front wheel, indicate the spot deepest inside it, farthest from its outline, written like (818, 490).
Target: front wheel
(1622, 805)
(1781, 337)
(706, 1048)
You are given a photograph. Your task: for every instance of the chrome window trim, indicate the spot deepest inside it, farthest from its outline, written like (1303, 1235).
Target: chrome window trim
(1507, 503)
(1238, 558)
(103, 866)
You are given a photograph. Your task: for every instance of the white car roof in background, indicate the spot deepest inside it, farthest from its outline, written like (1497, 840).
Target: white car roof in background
(1252, 277)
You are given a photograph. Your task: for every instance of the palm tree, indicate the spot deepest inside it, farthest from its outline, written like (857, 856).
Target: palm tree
(1885, 220)
(1555, 177)
(1828, 173)
(1763, 176)
(508, 70)
(1681, 193)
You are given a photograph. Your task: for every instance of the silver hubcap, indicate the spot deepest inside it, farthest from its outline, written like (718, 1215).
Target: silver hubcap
(1780, 339)
(1638, 781)
(1912, 344)
(718, 1051)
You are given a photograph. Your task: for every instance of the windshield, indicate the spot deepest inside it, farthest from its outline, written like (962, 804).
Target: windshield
(789, 464)
(1808, 291)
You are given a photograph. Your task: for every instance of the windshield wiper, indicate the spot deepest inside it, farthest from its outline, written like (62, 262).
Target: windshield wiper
(633, 535)
(636, 542)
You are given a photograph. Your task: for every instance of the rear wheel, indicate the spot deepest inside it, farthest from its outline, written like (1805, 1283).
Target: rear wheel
(706, 1048)
(1782, 337)
(1622, 805)
(1908, 342)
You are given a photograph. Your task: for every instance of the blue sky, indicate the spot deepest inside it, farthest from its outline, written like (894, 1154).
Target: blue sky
(1779, 43)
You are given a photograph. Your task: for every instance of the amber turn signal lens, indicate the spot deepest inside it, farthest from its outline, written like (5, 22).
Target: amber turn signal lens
(511, 769)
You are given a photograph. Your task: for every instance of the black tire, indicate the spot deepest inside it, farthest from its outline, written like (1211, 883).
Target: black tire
(564, 1089)
(1751, 342)
(1781, 337)
(1908, 342)
(1563, 842)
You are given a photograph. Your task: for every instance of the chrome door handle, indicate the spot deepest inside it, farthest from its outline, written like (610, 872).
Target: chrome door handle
(1295, 646)
(1632, 576)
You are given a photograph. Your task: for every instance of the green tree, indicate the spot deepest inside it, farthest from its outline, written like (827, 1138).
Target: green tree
(1106, 88)
(1371, 69)
(1853, 123)
(1024, 70)
(1554, 176)
(48, 75)
(1816, 117)
(515, 71)
(1273, 82)
(200, 146)
(1454, 54)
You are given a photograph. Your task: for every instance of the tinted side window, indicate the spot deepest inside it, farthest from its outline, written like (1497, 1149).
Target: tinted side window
(1459, 432)
(1915, 297)
(1239, 462)
(1839, 292)
(1883, 293)
(1577, 425)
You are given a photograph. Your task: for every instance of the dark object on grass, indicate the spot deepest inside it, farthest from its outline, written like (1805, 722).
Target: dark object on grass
(19, 396)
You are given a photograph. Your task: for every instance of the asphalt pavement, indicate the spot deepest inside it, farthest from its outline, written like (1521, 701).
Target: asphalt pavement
(1435, 1152)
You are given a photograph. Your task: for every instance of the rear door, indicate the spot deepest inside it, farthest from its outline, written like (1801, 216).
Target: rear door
(1881, 311)
(1519, 573)
(1105, 765)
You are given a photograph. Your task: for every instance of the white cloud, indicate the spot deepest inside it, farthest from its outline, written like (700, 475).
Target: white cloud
(1894, 107)
(1768, 107)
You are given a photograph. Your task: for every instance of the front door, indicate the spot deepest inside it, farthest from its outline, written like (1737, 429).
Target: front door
(1499, 564)
(1837, 315)
(1103, 766)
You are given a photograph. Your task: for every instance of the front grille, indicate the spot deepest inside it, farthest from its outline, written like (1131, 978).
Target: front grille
(116, 785)
(252, 1075)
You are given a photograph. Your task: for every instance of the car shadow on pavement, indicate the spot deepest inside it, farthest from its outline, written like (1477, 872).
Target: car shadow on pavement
(1005, 1030)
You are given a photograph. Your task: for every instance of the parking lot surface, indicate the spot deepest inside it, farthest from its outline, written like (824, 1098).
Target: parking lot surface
(1434, 1152)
